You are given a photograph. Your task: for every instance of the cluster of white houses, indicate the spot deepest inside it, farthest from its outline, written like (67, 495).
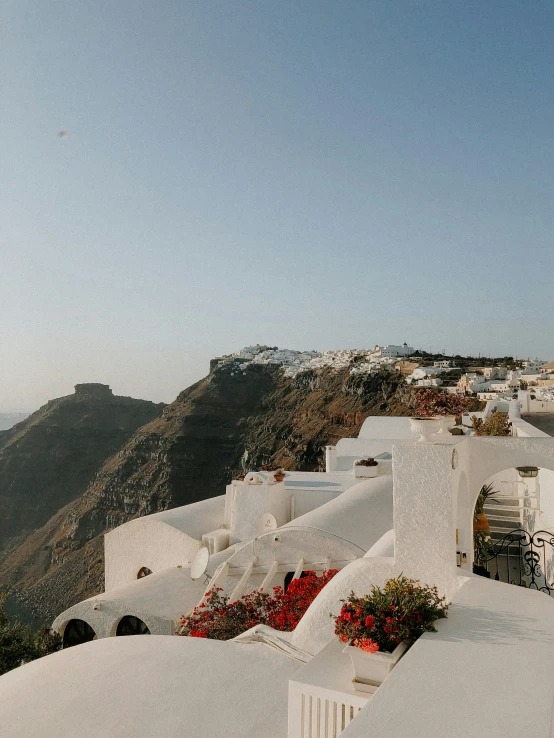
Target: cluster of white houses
(295, 362)
(486, 383)
(487, 671)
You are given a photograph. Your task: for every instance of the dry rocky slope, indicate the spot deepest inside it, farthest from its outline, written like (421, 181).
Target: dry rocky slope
(223, 425)
(50, 458)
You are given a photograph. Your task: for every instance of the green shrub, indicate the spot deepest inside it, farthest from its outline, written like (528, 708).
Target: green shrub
(19, 644)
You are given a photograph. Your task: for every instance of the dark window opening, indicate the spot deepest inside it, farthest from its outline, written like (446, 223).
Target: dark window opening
(76, 632)
(289, 578)
(130, 626)
(144, 572)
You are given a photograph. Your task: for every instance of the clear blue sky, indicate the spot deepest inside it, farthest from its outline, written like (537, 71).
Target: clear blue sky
(310, 174)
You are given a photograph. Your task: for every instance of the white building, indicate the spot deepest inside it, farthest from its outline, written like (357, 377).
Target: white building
(423, 374)
(485, 672)
(495, 372)
(392, 350)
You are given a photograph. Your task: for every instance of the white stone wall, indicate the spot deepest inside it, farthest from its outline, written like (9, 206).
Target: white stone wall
(145, 542)
(251, 501)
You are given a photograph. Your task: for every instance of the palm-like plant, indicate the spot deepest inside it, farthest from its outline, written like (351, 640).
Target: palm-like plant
(486, 493)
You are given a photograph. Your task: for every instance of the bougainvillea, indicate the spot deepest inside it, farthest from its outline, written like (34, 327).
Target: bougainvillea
(219, 619)
(430, 403)
(400, 611)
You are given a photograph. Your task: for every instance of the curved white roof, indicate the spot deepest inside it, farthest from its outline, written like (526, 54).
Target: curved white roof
(383, 547)
(360, 515)
(376, 426)
(194, 519)
(164, 594)
(145, 686)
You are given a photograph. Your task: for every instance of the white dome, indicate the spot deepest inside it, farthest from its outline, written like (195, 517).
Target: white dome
(144, 686)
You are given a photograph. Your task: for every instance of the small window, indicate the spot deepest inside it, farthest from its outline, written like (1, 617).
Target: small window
(144, 572)
(76, 632)
(130, 626)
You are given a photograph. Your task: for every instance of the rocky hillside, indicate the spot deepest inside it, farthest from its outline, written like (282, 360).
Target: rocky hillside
(51, 457)
(225, 424)
(8, 420)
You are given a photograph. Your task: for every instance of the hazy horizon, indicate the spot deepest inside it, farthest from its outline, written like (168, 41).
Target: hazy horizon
(315, 175)
(167, 399)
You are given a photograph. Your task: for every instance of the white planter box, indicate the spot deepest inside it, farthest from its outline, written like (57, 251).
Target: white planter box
(365, 472)
(373, 668)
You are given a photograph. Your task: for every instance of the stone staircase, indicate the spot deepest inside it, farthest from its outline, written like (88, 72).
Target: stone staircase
(503, 516)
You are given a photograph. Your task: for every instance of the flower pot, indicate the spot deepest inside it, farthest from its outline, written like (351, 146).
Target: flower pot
(373, 668)
(279, 477)
(446, 422)
(365, 472)
(426, 427)
(481, 523)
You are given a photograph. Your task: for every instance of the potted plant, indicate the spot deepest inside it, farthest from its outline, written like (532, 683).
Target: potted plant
(441, 407)
(366, 468)
(379, 627)
(279, 475)
(426, 427)
(480, 520)
(483, 545)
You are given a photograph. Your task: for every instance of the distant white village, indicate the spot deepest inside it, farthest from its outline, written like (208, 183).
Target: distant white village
(295, 362)
(486, 383)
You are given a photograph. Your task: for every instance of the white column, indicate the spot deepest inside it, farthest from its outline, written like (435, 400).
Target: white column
(330, 458)
(424, 520)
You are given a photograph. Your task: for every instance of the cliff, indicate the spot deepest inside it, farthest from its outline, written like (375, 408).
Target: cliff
(227, 423)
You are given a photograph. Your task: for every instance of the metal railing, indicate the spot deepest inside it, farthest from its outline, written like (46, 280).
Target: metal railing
(521, 558)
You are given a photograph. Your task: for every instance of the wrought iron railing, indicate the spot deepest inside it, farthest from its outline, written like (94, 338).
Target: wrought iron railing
(520, 558)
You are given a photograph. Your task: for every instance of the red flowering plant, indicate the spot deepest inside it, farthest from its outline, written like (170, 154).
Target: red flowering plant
(430, 403)
(219, 619)
(400, 611)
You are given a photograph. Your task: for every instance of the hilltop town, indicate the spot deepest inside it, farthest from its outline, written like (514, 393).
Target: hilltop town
(486, 378)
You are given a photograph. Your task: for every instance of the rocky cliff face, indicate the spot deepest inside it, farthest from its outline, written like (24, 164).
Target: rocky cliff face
(50, 458)
(225, 424)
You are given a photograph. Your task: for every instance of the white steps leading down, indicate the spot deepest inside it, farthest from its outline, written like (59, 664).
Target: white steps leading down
(505, 516)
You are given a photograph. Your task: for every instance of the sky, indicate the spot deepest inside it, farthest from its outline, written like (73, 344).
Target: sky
(311, 174)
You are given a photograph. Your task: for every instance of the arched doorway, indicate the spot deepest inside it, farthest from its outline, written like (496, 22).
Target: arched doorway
(144, 571)
(513, 532)
(76, 632)
(130, 625)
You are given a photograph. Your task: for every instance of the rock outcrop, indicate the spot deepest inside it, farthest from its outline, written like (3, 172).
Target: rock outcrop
(51, 457)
